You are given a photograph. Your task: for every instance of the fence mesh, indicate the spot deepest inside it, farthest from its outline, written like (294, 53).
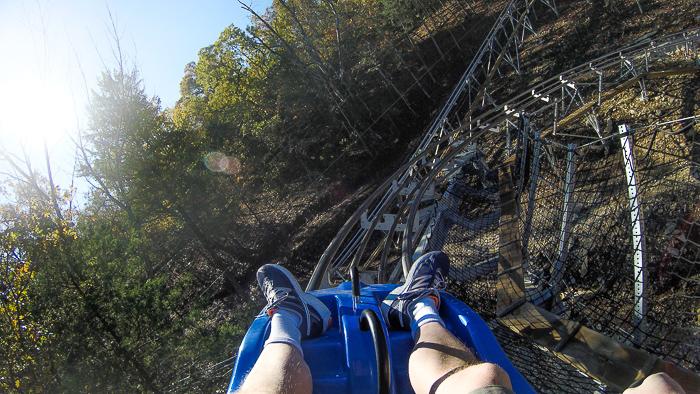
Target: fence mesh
(551, 375)
(578, 213)
(598, 171)
(579, 255)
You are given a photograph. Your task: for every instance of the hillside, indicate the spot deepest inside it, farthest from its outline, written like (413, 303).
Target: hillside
(281, 133)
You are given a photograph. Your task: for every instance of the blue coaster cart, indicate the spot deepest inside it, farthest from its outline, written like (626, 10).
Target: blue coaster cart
(359, 354)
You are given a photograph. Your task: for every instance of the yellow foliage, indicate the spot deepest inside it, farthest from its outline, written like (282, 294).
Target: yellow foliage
(21, 335)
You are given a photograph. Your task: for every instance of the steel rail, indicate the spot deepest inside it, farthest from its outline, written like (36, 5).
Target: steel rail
(638, 55)
(487, 47)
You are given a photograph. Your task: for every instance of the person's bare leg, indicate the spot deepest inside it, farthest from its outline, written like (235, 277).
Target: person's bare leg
(439, 361)
(294, 315)
(437, 352)
(280, 369)
(657, 383)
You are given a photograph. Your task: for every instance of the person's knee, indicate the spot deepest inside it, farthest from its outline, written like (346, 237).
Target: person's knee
(492, 373)
(474, 377)
(657, 383)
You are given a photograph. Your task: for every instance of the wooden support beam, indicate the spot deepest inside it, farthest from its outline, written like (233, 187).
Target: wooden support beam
(671, 73)
(615, 364)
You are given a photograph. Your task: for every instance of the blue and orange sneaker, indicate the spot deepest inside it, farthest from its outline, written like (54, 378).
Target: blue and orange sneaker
(426, 278)
(282, 291)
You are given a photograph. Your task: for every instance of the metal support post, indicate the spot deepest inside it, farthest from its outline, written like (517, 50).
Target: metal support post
(534, 177)
(638, 243)
(563, 249)
(643, 87)
(508, 147)
(600, 87)
(523, 156)
(556, 117)
(646, 61)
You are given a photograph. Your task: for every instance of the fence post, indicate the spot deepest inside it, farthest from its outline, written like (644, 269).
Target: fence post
(523, 130)
(534, 177)
(563, 250)
(640, 285)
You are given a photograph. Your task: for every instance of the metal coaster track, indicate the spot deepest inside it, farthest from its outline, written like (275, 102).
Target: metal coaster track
(501, 45)
(548, 107)
(413, 211)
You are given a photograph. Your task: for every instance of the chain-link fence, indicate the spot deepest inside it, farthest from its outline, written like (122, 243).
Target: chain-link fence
(610, 238)
(571, 209)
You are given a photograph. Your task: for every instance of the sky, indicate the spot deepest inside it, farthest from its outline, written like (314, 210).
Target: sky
(53, 51)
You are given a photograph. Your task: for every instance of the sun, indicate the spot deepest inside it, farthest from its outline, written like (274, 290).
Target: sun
(35, 110)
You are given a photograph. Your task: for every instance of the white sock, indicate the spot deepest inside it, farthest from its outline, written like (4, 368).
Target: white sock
(284, 328)
(422, 312)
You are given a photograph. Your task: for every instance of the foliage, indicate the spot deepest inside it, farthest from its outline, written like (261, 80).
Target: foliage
(309, 81)
(23, 338)
(132, 291)
(96, 300)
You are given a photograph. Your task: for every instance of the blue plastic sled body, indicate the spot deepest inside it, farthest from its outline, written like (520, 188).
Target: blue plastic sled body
(343, 359)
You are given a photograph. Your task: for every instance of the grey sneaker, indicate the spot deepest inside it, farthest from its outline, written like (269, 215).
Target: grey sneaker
(426, 278)
(282, 291)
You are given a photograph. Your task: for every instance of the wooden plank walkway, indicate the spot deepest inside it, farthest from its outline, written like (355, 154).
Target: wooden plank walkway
(510, 281)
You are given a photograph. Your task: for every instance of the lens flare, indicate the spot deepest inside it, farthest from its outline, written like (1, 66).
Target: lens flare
(219, 162)
(212, 161)
(230, 165)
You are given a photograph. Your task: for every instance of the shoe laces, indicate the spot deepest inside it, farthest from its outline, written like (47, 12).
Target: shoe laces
(422, 286)
(274, 296)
